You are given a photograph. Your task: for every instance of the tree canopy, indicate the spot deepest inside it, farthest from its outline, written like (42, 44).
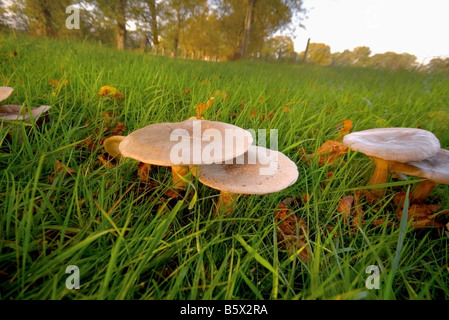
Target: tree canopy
(196, 29)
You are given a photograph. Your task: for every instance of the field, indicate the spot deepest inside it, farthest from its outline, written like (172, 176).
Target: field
(131, 241)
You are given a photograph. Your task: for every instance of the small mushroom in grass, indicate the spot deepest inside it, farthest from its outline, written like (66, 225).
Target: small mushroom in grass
(16, 112)
(111, 145)
(388, 145)
(187, 143)
(5, 92)
(258, 171)
(434, 170)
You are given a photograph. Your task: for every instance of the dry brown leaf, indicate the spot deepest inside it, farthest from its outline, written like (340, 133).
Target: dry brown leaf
(345, 129)
(253, 114)
(269, 116)
(143, 172)
(345, 207)
(201, 109)
(110, 92)
(119, 129)
(330, 151)
(106, 161)
(61, 168)
(422, 215)
(292, 231)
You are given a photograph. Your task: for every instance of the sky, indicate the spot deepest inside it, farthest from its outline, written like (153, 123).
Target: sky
(420, 27)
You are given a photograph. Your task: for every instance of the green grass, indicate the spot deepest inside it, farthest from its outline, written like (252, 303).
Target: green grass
(131, 243)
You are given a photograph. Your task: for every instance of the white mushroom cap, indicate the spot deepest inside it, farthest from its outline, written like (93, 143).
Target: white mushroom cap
(16, 112)
(154, 144)
(397, 144)
(5, 92)
(435, 168)
(250, 177)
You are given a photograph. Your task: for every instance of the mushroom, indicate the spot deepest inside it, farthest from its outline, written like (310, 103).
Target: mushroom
(188, 143)
(5, 92)
(258, 171)
(434, 170)
(111, 145)
(387, 145)
(16, 112)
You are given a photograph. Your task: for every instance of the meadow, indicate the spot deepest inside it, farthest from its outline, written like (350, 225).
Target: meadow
(63, 203)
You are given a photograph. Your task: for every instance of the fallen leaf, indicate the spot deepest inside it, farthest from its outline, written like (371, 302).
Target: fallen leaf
(106, 161)
(422, 215)
(292, 231)
(203, 107)
(253, 114)
(330, 151)
(143, 172)
(61, 168)
(268, 117)
(111, 92)
(345, 207)
(119, 129)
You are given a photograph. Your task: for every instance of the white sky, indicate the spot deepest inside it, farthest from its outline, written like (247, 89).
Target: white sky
(416, 27)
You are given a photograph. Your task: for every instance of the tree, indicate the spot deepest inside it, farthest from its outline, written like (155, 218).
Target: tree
(344, 58)
(438, 65)
(42, 17)
(393, 61)
(180, 11)
(250, 6)
(147, 15)
(360, 56)
(113, 14)
(319, 54)
(279, 48)
(247, 24)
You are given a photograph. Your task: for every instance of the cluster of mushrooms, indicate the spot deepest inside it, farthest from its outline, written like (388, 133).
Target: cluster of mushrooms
(403, 151)
(230, 172)
(399, 151)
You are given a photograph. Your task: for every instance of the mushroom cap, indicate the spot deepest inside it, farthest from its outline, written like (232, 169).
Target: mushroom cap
(16, 112)
(5, 92)
(248, 178)
(435, 168)
(111, 145)
(397, 144)
(153, 144)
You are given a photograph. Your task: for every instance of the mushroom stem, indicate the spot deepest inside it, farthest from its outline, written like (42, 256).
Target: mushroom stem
(226, 202)
(179, 172)
(380, 175)
(423, 189)
(111, 145)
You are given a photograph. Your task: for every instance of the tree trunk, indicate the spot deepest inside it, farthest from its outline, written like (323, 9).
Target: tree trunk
(178, 30)
(248, 25)
(154, 29)
(120, 31)
(304, 59)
